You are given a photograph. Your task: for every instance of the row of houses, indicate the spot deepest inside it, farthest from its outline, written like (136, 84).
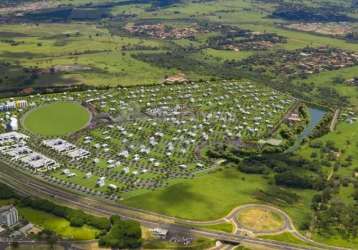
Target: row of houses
(13, 105)
(64, 147)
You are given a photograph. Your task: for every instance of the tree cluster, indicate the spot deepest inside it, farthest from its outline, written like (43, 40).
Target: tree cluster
(123, 234)
(76, 217)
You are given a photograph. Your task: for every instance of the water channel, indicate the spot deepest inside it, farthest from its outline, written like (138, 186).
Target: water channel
(315, 116)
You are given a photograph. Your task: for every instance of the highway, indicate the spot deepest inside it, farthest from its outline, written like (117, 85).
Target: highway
(29, 185)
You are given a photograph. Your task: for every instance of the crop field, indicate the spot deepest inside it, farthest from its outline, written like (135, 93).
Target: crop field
(143, 138)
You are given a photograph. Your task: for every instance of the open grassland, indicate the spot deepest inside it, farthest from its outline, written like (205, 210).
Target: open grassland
(102, 56)
(227, 54)
(207, 197)
(59, 225)
(336, 240)
(213, 196)
(56, 119)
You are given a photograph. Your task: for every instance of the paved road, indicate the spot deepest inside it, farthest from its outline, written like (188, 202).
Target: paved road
(26, 184)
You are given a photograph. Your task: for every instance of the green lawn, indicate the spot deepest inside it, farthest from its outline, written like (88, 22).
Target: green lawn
(213, 196)
(56, 119)
(336, 240)
(59, 225)
(285, 237)
(224, 227)
(7, 202)
(206, 197)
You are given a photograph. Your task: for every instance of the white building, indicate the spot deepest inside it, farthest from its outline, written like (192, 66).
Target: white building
(101, 181)
(8, 216)
(13, 125)
(12, 137)
(159, 233)
(67, 148)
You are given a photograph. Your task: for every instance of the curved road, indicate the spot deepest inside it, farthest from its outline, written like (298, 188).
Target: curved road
(29, 185)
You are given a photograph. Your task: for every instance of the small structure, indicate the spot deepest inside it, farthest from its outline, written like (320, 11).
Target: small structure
(113, 187)
(294, 117)
(101, 181)
(159, 233)
(178, 78)
(9, 216)
(25, 229)
(13, 124)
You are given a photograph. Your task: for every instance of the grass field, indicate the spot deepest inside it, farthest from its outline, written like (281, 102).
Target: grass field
(59, 225)
(56, 119)
(213, 196)
(326, 79)
(224, 227)
(207, 197)
(336, 240)
(259, 219)
(285, 237)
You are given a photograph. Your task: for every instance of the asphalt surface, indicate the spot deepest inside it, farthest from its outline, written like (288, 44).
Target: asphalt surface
(29, 185)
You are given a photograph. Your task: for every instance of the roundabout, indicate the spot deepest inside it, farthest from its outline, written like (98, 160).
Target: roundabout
(260, 219)
(56, 119)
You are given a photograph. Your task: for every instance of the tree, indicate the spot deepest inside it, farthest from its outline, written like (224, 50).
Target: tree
(123, 234)
(291, 179)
